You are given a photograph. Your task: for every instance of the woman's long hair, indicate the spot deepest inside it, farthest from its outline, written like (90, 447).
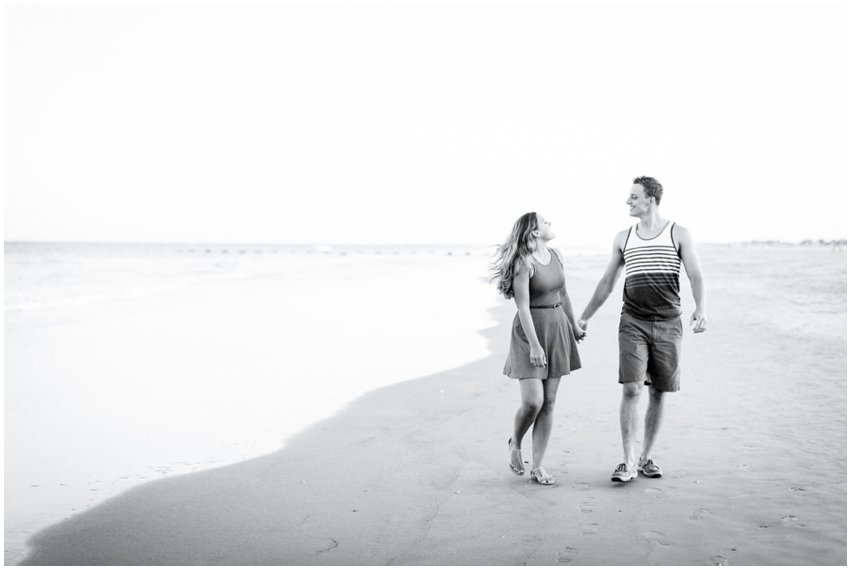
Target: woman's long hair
(517, 249)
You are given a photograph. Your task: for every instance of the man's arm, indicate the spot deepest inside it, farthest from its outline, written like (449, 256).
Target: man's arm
(607, 282)
(682, 239)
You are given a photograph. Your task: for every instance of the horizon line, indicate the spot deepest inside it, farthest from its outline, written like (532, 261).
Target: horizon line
(402, 244)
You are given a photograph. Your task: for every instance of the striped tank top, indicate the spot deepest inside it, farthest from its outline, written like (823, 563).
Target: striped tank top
(652, 288)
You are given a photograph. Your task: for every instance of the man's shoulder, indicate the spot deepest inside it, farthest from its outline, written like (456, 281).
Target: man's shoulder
(624, 232)
(621, 236)
(679, 232)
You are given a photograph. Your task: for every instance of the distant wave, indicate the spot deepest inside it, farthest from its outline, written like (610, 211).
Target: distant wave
(55, 275)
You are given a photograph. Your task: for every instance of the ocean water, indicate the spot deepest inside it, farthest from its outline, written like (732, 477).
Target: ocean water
(50, 275)
(129, 363)
(798, 289)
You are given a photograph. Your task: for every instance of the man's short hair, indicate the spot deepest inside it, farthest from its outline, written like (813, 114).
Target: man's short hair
(651, 187)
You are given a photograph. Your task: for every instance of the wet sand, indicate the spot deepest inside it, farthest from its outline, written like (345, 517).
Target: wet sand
(753, 448)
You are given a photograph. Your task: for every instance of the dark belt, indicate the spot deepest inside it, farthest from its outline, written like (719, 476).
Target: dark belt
(546, 306)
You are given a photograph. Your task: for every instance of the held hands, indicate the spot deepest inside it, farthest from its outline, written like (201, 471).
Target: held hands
(698, 322)
(537, 356)
(579, 330)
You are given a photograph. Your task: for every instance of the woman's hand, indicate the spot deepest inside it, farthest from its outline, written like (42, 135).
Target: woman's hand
(537, 356)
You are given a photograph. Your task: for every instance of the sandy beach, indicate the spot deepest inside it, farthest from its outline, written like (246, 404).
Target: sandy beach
(415, 472)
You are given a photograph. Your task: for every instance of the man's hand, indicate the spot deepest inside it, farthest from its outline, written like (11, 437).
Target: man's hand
(698, 322)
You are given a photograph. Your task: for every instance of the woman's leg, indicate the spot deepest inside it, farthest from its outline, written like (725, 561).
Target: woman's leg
(544, 421)
(531, 400)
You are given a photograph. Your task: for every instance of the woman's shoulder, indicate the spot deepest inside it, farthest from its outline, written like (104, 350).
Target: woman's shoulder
(558, 255)
(523, 268)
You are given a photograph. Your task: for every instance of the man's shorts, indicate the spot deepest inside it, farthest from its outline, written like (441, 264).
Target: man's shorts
(650, 352)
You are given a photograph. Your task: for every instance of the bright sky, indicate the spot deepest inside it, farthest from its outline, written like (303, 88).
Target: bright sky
(426, 122)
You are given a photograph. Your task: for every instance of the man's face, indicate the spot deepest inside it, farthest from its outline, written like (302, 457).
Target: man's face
(639, 202)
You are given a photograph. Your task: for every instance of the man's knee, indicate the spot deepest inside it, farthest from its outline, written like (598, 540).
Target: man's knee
(631, 390)
(656, 396)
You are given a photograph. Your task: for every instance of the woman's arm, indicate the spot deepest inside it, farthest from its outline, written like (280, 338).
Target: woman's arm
(567, 307)
(521, 298)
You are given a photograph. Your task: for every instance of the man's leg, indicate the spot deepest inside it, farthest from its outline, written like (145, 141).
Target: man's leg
(664, 369)
(629, 422)
(652, 422)
(632, 371)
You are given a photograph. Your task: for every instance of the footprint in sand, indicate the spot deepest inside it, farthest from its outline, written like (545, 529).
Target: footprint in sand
(797, 489)
(590, 529)
(332, 543)
(565, 556)
(719, 561)
(585, 506)
(582, 486)
(793, 520)
(657, 537)
(698, 515)
(743, 467)
(655, 492)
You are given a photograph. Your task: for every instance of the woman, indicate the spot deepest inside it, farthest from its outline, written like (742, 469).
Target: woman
(533, 274)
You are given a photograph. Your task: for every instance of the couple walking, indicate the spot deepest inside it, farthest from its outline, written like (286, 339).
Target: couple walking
(545, 332)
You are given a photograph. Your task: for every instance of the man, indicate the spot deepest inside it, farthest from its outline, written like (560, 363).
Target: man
(650, 331)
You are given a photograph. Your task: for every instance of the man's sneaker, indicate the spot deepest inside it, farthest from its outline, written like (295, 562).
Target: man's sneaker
(622, 474)
(650, 469)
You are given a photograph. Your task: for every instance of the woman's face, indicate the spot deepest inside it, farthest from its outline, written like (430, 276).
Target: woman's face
(544, 230)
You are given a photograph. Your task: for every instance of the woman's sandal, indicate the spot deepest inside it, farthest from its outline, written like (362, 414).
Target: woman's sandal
(541, 477)
(511, 459)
